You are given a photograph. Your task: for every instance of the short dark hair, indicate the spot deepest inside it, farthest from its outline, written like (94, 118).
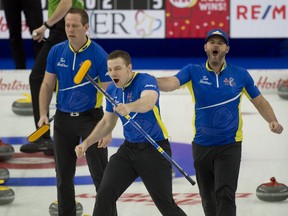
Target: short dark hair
(81, 12)
(120, 54)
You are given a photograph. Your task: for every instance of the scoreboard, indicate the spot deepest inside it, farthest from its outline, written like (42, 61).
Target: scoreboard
(140, 19)
(156, 18)
(124, 4)
(119, 4)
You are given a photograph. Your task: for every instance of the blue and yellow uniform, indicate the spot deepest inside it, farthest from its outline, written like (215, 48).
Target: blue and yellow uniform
(217, 144)
(150, 121)
(57, 34)
(217, 99)
(78, 111)
(136, 157)
(71, 97)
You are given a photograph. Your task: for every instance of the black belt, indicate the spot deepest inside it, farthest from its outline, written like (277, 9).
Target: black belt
(76, 114)
(143, 145)
(138, 145)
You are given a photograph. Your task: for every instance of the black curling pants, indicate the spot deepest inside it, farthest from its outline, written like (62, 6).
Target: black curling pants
(129, 162)
(217, 171)
(68, 131)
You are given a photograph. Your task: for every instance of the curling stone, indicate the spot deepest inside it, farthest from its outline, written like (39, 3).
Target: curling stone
(6, 151)
(4, 174)
(53, 209)
(283, 90)
(272, 191)
(23, 106)
(7, 195)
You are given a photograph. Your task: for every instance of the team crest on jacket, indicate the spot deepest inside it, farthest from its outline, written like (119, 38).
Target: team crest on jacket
(129, 97)
(229, 81)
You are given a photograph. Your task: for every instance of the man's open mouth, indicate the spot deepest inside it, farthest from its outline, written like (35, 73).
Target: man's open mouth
(215, 52)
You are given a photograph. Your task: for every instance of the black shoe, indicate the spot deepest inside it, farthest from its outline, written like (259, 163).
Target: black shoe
(40, 145)
(49, 152)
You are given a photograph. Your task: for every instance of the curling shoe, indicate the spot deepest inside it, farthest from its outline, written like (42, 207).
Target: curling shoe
(40, 145)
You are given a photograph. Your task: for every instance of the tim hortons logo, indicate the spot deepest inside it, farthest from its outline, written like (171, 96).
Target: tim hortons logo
(4, 26)
(264, 83)
(14, 85)
(180, 198)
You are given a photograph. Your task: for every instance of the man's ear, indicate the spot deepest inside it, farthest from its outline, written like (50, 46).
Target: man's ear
(227, 49)
(87, 27)
(130, 67)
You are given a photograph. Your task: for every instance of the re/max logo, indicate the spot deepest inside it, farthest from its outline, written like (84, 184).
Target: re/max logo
(257, 12)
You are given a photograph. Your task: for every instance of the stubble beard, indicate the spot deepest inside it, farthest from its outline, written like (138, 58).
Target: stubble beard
(216, 61)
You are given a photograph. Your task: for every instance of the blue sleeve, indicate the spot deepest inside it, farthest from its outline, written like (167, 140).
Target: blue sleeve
(184, 75)
(250, 86)
(149, 83)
